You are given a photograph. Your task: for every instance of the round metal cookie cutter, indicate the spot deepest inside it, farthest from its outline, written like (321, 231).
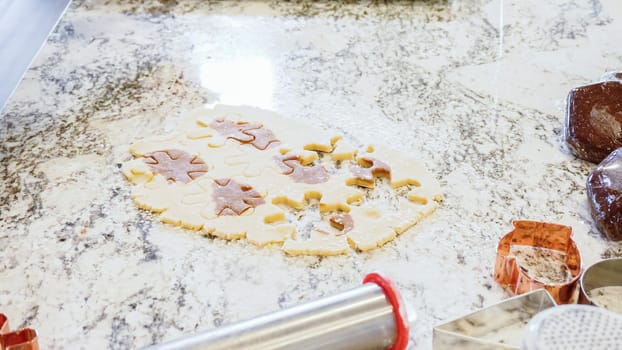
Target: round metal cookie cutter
(605, 273)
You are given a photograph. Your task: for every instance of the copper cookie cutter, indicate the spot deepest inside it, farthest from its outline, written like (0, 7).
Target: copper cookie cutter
(538, 235)
(21, 339)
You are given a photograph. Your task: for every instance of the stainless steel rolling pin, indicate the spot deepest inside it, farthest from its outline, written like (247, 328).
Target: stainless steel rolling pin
(372, 316)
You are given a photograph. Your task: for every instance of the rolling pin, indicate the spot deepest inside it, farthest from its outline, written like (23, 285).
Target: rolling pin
(372, 316)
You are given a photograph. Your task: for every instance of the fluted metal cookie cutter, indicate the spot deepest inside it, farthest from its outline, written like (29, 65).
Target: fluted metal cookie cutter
(573, 327)
(21, 339)
(552, 237)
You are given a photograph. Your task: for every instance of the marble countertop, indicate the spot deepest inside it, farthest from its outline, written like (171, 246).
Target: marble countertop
(475, 89)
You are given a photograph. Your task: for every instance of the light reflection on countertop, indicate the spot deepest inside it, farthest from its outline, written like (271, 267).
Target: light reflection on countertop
(243, 81)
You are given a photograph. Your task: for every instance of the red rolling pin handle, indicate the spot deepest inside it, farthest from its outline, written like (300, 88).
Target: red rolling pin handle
(391, 292)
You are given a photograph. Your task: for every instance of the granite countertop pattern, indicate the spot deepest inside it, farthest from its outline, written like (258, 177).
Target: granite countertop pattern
(475, 89)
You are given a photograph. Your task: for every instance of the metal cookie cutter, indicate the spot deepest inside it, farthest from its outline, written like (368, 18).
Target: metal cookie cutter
(499, 326)
(21, 339)
(550, 238)
(601, 285)
(372, 316)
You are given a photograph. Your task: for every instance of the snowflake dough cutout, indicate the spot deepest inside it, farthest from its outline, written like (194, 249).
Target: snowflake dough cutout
(238, 172)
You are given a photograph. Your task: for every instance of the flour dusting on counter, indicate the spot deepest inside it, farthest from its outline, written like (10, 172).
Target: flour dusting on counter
(86, 268)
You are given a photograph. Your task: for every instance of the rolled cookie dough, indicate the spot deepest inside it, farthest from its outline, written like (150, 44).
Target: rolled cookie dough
(238, 172)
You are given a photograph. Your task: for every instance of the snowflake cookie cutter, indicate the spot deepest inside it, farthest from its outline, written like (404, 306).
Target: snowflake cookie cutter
(21, 339)
(508, 272)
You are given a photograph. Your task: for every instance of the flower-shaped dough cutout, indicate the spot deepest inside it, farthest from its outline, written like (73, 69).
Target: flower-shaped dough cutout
(367, 170)
(233, 198)
(244, 132)
(176, 165)
(290, 165)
